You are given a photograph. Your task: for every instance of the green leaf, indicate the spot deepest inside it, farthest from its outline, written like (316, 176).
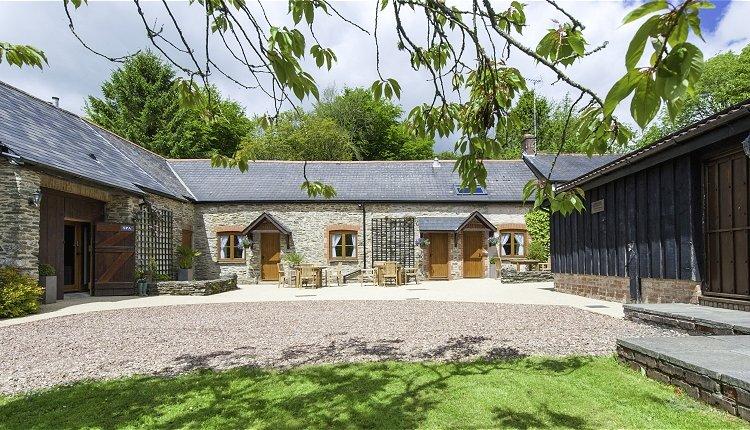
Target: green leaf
(620, 90)
(644, 10)
(646, 102)
(638, 43)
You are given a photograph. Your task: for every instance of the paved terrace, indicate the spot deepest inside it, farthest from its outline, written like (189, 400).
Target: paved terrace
(464, 290)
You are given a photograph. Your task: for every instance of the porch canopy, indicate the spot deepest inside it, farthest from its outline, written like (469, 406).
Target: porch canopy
(475, 220)
(267, 222)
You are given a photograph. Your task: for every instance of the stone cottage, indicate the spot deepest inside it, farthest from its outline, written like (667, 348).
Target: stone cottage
(97, 207)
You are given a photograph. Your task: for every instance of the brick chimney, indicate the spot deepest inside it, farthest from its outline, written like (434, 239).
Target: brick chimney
(529, 144)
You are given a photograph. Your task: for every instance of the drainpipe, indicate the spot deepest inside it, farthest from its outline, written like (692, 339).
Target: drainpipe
(364, 236)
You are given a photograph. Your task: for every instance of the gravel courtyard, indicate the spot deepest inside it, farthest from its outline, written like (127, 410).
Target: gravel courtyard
(172, 339)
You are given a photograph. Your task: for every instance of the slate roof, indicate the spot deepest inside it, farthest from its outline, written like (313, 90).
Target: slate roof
(62, 142)
(568, 166)
(367, 181)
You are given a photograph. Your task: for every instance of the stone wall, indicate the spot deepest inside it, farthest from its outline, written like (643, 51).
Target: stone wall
(669, 291)
(511, 276)
(19, 221)
(612, 288)
(309, 223)
(695, 382)
(617, 289)
(193, 288)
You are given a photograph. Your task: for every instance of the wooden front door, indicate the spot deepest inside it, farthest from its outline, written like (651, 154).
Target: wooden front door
(270, 256)
(114, 259)
(72, 256)
(727, 225)
(438, 249)
(473, 254)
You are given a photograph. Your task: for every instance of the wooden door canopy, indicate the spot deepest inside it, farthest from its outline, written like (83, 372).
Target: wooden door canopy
(114, 264)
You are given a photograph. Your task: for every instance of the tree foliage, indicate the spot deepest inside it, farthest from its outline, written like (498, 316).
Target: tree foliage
(299, 137)
(725, 81)
(537, 224)
(467, 52)
(141, 103)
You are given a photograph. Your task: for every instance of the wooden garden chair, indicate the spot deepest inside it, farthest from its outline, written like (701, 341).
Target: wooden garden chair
(335, 273)
(368, 275)
(390, 272)
(306, 276)
(412, 272)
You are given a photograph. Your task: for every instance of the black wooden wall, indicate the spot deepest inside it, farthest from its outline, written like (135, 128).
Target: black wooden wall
(650, 226)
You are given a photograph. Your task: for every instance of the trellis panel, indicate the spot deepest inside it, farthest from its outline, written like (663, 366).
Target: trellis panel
(154, 238)
(393, 240)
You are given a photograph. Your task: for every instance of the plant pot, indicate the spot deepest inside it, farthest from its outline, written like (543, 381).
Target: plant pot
(185, 274)
(142, 287)
(50, 288)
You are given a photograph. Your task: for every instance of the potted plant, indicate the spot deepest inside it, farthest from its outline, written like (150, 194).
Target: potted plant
(48, 279)
(493, 241)
(246, 243)
(141, 281)
(293, 258)
(185, 257)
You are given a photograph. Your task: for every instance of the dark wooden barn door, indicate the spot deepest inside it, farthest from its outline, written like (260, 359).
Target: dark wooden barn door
(439, 267)
(114, 261)
(727, 225)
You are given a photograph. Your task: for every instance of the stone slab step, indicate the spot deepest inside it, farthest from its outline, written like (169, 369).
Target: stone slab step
(697, 318)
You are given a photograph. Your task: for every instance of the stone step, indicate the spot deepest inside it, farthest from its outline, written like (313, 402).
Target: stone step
(695, 319)
(713, 369)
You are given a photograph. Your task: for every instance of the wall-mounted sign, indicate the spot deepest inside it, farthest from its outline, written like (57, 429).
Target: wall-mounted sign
(127, 228)
(597, 206)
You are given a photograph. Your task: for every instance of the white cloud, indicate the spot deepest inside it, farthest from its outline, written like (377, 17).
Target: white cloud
(115, 28)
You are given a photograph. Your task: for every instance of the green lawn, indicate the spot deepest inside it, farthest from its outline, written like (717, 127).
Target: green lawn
(579, 392)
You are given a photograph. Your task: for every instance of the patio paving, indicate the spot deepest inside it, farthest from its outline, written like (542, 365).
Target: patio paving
(464, 290)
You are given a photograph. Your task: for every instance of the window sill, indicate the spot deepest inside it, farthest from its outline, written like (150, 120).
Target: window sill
(343, 260)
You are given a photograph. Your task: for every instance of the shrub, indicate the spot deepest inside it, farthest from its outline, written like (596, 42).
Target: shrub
(537, 224)
(19, 293)
(293, 258)
(185, 256)
(46, 270)
(537, 252)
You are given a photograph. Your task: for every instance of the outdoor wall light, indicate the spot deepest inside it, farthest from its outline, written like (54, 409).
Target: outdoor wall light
(746, 145)
(35, 199)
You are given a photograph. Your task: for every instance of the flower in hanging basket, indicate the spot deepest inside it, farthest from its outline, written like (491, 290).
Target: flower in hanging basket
(422, 242)
(493, 241)
(246, 243)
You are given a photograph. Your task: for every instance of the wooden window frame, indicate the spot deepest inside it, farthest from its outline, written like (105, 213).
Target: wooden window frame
(343, 234)
(513, 246)
(232, 235)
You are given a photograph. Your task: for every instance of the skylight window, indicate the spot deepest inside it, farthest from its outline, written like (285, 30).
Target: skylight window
(465, 191)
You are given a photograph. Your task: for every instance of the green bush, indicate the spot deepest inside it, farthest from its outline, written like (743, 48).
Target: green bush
(537, 224)
(185, 256)
(46, 270)
(19, 293)
(537, 252)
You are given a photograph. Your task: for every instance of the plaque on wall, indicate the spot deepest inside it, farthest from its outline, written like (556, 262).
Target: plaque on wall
(597, 206)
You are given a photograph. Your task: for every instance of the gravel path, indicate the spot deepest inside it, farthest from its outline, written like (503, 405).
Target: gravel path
(169, 340)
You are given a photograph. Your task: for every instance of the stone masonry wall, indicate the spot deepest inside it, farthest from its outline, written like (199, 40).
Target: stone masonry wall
(194, 288)
(612, 288)
(19, 221)
(617, 289)
(309, 223)
(669, 291)
(695, 382)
